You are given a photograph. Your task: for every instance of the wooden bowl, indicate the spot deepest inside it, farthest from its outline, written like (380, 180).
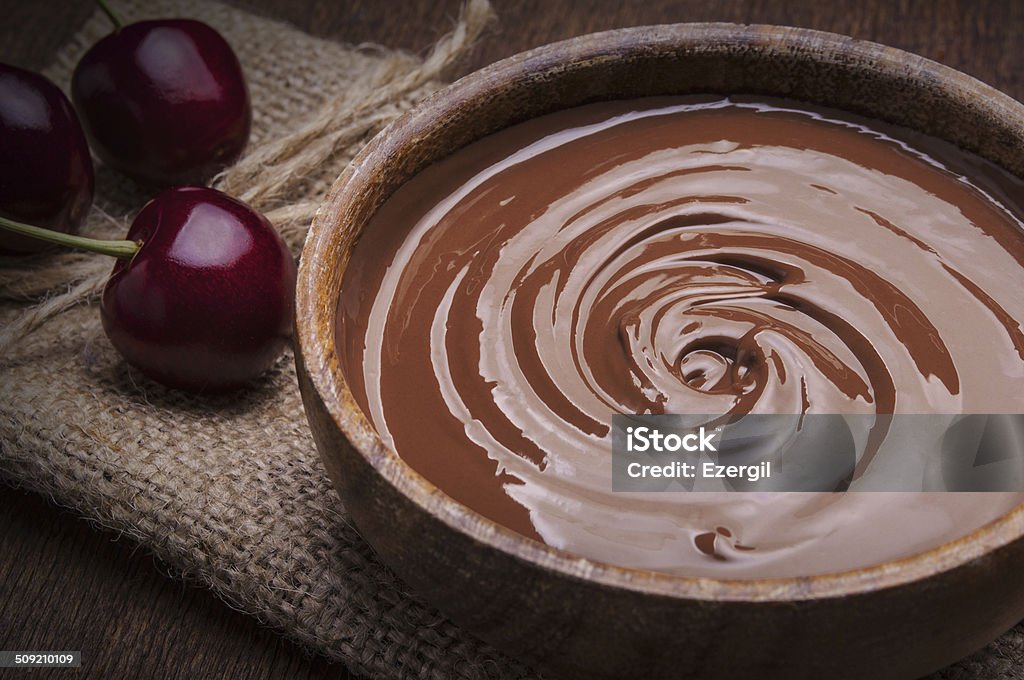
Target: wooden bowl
(579, 618)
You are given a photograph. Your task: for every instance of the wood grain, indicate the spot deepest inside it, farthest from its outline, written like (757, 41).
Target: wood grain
(66, 585)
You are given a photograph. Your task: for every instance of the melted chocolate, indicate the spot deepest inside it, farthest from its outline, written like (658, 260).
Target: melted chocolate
(686, 255)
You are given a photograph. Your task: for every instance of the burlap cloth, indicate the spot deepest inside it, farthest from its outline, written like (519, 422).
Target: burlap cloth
(230, 492)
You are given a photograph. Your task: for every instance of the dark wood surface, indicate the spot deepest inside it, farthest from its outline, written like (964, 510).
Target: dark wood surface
(67, 585)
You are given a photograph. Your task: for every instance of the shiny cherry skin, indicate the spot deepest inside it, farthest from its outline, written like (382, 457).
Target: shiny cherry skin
(46, 174)
(164, 101)
(206, 304)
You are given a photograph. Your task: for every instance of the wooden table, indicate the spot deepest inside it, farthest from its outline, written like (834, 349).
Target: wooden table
(66, 585)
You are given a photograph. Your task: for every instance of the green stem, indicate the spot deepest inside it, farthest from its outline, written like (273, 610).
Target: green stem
(111, 14)
(119, 249)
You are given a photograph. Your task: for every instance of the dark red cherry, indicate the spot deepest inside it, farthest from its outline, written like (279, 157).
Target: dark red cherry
(164, 102)
(46, 174)
(206, 303)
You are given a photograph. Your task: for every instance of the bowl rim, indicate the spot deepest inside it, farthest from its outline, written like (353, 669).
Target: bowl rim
(316, 322)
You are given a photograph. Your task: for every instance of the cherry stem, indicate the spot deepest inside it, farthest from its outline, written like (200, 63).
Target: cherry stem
(111, 14)
(119, 249)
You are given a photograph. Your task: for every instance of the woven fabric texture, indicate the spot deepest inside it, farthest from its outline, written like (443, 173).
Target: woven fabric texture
(230, 491)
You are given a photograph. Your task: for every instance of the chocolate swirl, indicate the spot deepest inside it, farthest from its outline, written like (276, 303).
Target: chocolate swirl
(685, 255)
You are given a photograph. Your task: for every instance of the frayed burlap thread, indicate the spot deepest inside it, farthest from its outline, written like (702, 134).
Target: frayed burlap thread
(348, 95)
(229, 491)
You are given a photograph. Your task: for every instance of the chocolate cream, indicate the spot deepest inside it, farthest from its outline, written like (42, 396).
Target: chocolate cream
(686, 255)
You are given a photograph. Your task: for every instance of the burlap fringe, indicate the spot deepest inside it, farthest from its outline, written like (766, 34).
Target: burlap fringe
(268, 177)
